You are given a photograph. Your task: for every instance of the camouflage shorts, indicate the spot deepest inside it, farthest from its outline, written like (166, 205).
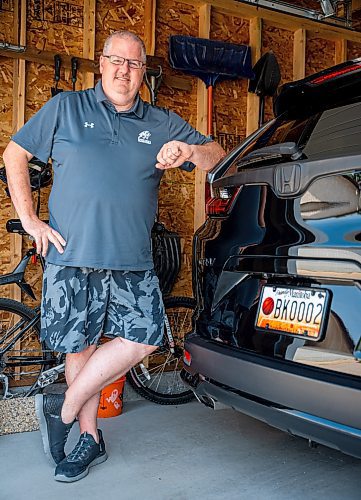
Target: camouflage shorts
(80, 304)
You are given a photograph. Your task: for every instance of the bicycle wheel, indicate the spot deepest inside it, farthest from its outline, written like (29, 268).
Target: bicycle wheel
(157, 377)
(21, 360)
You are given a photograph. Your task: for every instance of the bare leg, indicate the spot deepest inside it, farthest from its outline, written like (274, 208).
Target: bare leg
(109, 362)
(87, 416)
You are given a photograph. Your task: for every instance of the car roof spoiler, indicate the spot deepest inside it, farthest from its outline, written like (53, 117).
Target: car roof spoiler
(330, 88)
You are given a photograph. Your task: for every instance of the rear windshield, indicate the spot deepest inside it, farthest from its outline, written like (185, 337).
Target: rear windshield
(331, 133)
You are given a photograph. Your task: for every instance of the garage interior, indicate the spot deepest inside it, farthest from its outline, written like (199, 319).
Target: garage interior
(305, 36)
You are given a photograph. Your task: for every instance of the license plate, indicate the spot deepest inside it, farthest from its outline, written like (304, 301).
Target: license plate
(299, 312)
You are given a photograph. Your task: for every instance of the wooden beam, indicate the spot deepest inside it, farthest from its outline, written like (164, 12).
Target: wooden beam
(255, 42)
(200, 176)
(150, 7)
(299, 54)
(319, 29)
(86, 65)
(89, 41)
(47, 58)
(340, 51)
(18, 121)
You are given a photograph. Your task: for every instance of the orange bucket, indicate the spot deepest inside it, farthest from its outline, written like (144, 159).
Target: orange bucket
(111, 399)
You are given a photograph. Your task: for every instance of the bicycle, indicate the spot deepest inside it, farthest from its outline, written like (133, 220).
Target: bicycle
(33, 367)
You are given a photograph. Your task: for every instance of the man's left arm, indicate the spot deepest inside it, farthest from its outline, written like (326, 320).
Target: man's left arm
(174, 153)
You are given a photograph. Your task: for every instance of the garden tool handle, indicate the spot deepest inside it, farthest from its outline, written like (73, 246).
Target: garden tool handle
(210, 110)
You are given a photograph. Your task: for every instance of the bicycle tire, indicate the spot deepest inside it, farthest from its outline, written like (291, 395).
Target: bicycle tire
(157, 389)
(16, 315)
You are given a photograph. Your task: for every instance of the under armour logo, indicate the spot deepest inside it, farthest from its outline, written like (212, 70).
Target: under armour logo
(91, 125)
(144, 137)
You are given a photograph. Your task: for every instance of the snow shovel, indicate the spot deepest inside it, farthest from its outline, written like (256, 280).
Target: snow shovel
(211, 61)
(267, 77)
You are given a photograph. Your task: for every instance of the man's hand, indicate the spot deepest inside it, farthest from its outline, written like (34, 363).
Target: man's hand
(16, 161)
(42, 234)
(173, 154)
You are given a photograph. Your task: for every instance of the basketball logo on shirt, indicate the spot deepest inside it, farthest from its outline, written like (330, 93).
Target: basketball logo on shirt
(144, 137)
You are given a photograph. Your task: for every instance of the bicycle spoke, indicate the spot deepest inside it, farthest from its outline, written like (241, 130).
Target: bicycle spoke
(22, 358)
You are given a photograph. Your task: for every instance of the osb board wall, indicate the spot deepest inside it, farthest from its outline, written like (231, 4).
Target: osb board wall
(280, 41)
(230, 96)
(176, 199)
(324, 50)
(353, 50)
(6, 108)
(111, 16)
(58, 26)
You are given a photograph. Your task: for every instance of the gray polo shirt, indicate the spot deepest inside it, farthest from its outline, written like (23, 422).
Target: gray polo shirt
(105, 188)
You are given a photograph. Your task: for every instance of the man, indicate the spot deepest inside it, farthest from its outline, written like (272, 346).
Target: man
(109, 150)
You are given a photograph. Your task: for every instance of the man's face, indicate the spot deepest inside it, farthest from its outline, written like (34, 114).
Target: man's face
(121, 83)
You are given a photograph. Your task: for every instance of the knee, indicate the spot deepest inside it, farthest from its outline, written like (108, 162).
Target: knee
(137, 350)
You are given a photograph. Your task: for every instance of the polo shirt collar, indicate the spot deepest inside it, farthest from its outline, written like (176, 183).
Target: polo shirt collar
(137, 108)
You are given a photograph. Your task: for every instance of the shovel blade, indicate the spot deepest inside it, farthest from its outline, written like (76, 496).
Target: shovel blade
(210, 60)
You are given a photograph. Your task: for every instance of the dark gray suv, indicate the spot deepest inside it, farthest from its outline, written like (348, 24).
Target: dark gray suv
(277, 268)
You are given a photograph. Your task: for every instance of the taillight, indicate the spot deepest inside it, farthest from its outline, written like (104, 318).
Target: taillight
(219, 201)
(187, 358)
(335, 74)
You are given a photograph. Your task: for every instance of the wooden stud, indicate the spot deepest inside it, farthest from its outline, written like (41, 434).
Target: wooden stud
(282, 20)
(149, 25)
(299, 54)
(356, 5)
(200, 176)
(340, 51)
(149, 37)
(18, 122)
(255, 42)
(89, 41)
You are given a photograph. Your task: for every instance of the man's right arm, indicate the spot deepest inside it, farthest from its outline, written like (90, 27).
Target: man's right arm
(16, 161)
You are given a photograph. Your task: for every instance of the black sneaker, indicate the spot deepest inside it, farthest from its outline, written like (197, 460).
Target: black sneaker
(53, 430)
(85, 454)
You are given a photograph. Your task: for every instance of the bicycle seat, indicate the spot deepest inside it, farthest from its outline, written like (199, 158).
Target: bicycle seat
(15, 226)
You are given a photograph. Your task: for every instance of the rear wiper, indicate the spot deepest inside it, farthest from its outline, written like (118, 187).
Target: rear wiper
(288, 150)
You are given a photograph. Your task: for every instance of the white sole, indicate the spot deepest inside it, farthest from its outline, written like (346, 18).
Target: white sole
(65, 479)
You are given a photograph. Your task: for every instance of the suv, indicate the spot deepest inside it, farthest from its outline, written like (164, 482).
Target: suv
(277, 268)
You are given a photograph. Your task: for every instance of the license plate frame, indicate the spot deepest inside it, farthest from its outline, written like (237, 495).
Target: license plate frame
(297, 294)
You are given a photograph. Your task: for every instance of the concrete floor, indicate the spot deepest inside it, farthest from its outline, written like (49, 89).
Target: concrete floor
(184, 453)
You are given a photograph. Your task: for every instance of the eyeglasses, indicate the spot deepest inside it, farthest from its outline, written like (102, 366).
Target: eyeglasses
(119, 61)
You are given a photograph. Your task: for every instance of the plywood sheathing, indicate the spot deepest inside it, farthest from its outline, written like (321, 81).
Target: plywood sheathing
(230, 96)
(176, 199)
(55, 27)
(110, 17)
(6, 23)
(320, 54)
(353, 50)
(6, 108)
(280, 42)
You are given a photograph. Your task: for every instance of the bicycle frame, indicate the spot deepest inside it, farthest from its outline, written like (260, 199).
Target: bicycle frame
(17, 275)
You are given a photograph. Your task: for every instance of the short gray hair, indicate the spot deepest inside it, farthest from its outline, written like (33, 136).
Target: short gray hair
(125, 34)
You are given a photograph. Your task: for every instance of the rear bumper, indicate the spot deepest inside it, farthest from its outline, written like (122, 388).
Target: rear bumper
(323, 407)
